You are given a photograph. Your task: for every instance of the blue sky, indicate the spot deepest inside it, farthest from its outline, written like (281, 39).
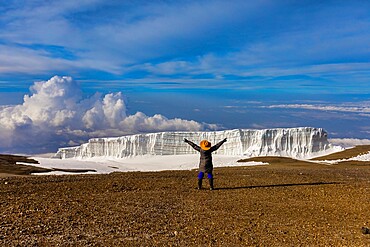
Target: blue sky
(237, 64)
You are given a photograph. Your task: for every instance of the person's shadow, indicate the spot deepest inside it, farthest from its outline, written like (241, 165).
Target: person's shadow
(275, 185)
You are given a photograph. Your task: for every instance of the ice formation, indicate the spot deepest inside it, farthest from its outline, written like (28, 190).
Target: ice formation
(304, 142)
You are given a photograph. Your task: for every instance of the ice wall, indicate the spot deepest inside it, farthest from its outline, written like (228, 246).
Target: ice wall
(301, 142)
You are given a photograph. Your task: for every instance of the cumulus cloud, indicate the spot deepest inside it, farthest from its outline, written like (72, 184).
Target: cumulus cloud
(56, 114)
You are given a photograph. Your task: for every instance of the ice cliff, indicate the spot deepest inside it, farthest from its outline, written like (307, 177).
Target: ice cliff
(301, 142)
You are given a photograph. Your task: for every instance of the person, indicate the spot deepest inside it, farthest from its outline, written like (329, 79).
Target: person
(205, 164)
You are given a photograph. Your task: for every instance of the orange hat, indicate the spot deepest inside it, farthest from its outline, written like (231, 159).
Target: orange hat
(205, 145)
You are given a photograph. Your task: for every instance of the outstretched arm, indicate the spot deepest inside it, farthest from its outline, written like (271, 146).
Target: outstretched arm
(195, 146)
(218, 145)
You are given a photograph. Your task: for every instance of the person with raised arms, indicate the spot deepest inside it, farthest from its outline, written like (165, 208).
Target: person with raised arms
(205, 164)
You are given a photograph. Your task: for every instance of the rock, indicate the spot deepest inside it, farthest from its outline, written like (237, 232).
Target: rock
(365, 230)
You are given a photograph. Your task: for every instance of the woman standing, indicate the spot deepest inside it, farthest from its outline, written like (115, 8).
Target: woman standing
(205, 165)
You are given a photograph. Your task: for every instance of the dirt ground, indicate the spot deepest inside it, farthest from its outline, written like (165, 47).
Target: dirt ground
(283, 204)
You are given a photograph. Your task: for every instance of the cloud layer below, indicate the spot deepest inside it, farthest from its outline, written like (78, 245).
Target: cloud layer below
(56, 114)
(353, 109)
(349, 142)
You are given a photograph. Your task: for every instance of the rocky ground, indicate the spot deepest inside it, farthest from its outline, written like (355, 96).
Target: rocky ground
(9, 165)
(13, 165)
(287, 203)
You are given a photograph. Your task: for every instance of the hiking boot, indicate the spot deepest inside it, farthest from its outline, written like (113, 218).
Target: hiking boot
(211, 184)
(200, 184)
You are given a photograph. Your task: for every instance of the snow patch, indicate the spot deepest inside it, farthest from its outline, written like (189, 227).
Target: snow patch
(104, 165)
(363, 157)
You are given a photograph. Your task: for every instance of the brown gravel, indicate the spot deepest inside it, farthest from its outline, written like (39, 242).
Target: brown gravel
(276, 205)
(347, 153)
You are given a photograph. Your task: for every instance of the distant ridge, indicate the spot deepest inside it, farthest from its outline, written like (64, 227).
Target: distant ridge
(346, 154)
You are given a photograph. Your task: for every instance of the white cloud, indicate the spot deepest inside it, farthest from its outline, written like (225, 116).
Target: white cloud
(353, 109)
(349, 142)
(56, 114)
(136, 32)
(171, 39)
(22, 60)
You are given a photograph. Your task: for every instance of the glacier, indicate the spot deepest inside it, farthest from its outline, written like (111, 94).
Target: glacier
(302, 142)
